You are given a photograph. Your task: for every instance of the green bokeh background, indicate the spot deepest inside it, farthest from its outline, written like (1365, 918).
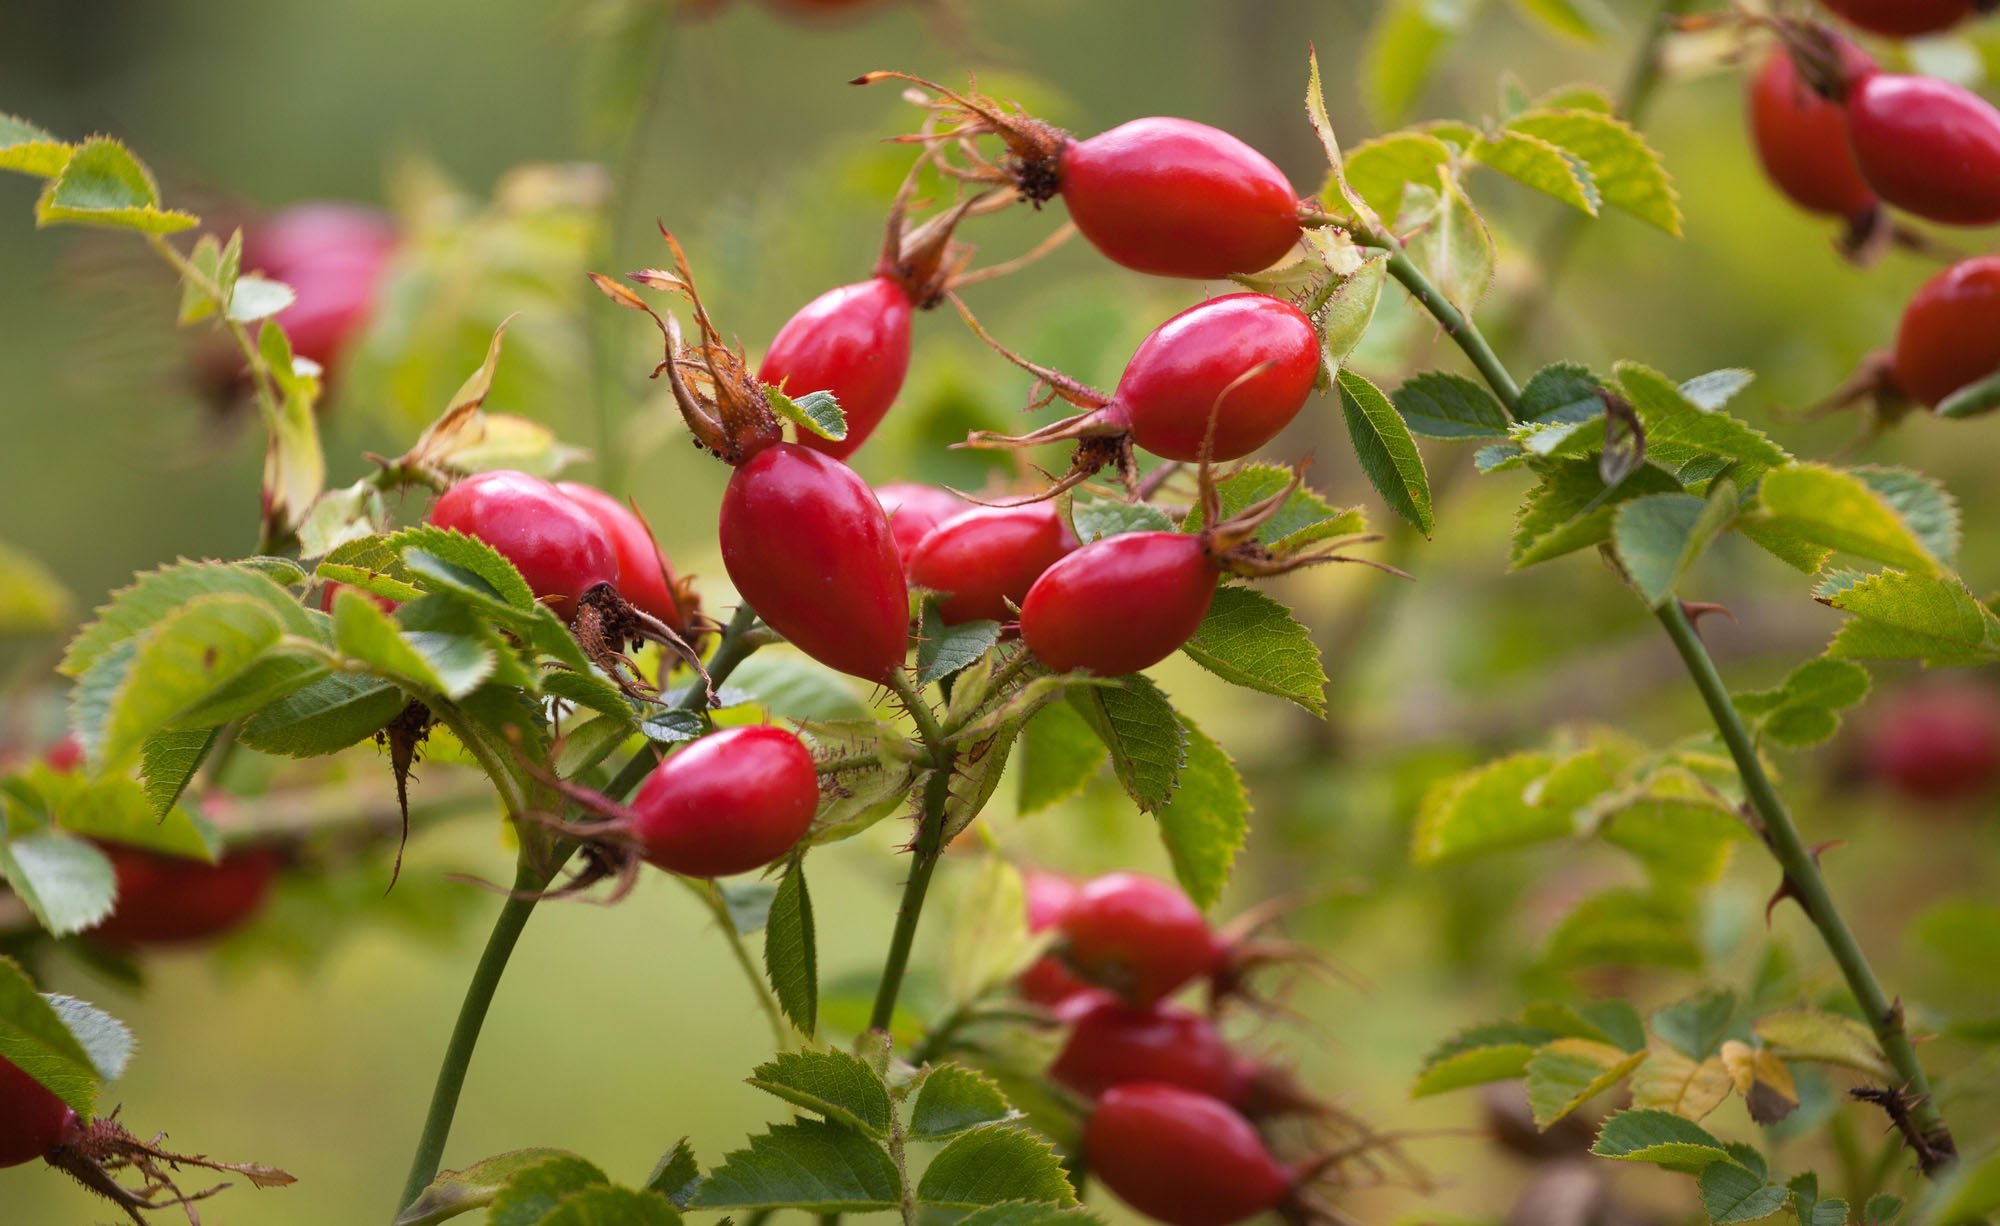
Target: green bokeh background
(621, 1029)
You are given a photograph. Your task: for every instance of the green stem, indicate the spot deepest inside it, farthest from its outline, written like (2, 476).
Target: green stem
(1928, 1136)
(923, 861)
(1809, 887)
(928, 729)
(1456, 325)
(529, 882)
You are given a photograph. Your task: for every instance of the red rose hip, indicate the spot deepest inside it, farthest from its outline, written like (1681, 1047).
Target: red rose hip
(1048, 982)
(1200, 364)
(333, 255)
(913, 511)
(1927, 146)
(1903, 18)
(170, 900)
(558, 548)
(1112, 1043)
(33, 1121)
(1182, 1158)
(730, 802)
(1938, 742)
(1178, 199)
(1120, 604)
(983, 559)
(808, 545)
(1950, 333)
(853, 341)
(1801, 137)
(644, 578)
(1139, 937)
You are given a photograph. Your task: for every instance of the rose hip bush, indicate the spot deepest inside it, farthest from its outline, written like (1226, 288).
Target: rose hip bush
(456, 602)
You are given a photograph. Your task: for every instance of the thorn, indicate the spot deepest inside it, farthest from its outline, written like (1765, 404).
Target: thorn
(1695, 610)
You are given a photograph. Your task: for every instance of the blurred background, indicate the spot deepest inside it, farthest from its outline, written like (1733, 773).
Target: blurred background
(520, 143)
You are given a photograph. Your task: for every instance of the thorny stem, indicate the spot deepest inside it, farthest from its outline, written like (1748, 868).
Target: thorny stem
(1931, 1140)
(530, 879)
(924, 853)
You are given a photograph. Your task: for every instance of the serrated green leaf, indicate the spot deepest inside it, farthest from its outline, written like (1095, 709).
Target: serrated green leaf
(1387, 452)
(1572, 509)
(831, 1083)
(1206, 820)
(1490, 808)
(67, 883)
(1562, 393)
(1659, 536)
(955, 1099)
(1805, 708)
(106, 1040)
(945, 650)
(176, 664)
(447, 557)
(533, 1191)
(791, 950)
(156, 595)
(1495, 1052)
(1823, 1038)
(30, 149)
(1698, 1024)
(1541, 165)
(1924, 506)
(432, 663)
(1028, 1213)
(810, 1165)
(1733, 1194)
(992, 1165)
(1146, 740)
(816, 412)
(1627, 172)
(1380, 169)
(1626, 927)
(1840, 511)
(1252, 640)
(1713, 391)
(1057, 755)
(1900, 616)
(1455, 246)
(474, 1187)
(1097, 518)
(1439, 405)
(327, 716)
(1677, 430)
(101, 184)
(34, 1037)
(1304, 519)
(1567, 1073)
(676, 1175)
(1658, 1137)
(168, 763)
(608, 1205)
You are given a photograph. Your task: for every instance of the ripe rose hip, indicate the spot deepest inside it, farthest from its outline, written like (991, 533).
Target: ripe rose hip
(853, 341)
(1178, 199)
(1048, 982)
(644, 578)
(1801, 138)
(33, 1121)
(1137, 936)
(1112, 1043)
(807, 544)
(913, 511)
(168, 900)
(557, 547)
(1120, 604)
(1938, 742)
(1950, 334)
(988, 557)
(727, 803)
(1182, 1158)
(333, 255)
(1903, 18)
(1927, 146)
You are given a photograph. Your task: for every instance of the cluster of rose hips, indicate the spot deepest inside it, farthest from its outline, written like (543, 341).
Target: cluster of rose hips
(1841, 137)
(1175, 1111)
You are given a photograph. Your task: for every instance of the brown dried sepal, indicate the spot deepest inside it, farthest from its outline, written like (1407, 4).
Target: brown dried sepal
(1031, 165)
(103, 1150)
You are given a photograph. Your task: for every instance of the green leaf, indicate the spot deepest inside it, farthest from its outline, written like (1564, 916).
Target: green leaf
(1714, 390)
(1028, 1213)
(157, 595)
(66, 882)
(1387, 452)
(32, 600)
(944, 650)
(831, 1083)
(1304, 519)
(1969, 1192)
(1404, 42)
(106, 1040)
(1583, 20)
(449, 558)
(1659, 536)
(1147, 740)
(29, 149)
(955, 1099)
(1573, 509)
(1379, 169)
(1101, 517)
(1454, 244)
(817, 412)
(1840, 511)
(102, 184)
(1489, 808)
(1563, 393)
(1495, 1052)
(254, 297)
(1924, 506)
(810, 1165)
(35, 1039)
(791, 954)
(1677, 429)
(989, 944)
(168, 763)
(1567, 1073)
(176, 664)
(992, 1165)
(1251, 640)
(1823, 1038)
(1698, 1024)
(1206, 820)
(1732, 1194)
(462, 1191)
(1542, 165)
(1620, 927)
(532, 1192)
(1438, 405)
(1805, 708)
(1627, 172)
(1660, 1138)
(1900, 616)
(218, 266)
(1057, 755)
(606, 1205)
(1975, 399)
(117, 809)
(1884, 1209)
(325, 717)
(676, 1175)
(793, 687)
(294, 462)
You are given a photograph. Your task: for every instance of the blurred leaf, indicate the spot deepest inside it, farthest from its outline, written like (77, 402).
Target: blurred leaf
(955, 1099)
(1660, 536)
(65, 882)
(791, 686)
(1455, 247)
(34, 1037)
(1058, 754)
(1387, 452)
(1823, 1038)
(157, 595)
(1439, 405)
(294, 461)
(1762, 1079)
(1732, 1194)
(1098, 518)
(1147, 741)
(791, 954)
(945, 650)
(993, 1165)
(1489, 808)
(32, 600)
(1206, 820)
(1627, 172)
(462, 1191)
(810, 1165)
(1659, 1137)
(1626, 927)
(29, 149)
(1969, 1192)
(327, 716)
(1496, 1052)
(829, 1083)
(1804, 709)
(1670, 1080)
(1696, 1025)
(1379, 169)
(1539, 164)
(1584, 20)
(1252, 640)
(817, 412)
(1884, 1209)
(217, 266)
(100, 184)
(1405, 41)
(1973, 400)
(534, 1192)
(254, 297)
(1567, 1073)
(117, 809)
(989, 943)
(1899, 616)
